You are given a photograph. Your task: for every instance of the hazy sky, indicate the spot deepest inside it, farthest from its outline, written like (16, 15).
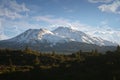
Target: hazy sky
(92, 16)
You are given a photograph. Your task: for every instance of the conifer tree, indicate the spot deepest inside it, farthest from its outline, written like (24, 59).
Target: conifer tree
(36, 61)
(27, 50)
(118, 49)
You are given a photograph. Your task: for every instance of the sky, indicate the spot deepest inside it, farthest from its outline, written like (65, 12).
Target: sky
(99, 18)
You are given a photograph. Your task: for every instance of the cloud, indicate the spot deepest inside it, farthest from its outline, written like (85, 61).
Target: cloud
(107, 34)
(2, 35)
(52, 20)
(14, 28)
(18, 27)
(11, 9)
(100, 1)
(17, 7)
(103, 31)
(68, 10)
(1, 30)
(111, 8)
(9, 14)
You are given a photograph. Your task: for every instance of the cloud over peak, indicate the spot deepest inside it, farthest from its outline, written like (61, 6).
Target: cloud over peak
(52, 20)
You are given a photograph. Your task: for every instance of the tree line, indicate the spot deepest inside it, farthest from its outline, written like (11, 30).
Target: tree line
(32, 65)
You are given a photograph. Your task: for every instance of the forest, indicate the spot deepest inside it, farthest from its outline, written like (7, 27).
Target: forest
(28, 64)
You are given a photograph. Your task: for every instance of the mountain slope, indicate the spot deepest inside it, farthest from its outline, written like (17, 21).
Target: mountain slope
(112, 35)
(79, 36)
(62, 39)
(35, 35)
(59, 35)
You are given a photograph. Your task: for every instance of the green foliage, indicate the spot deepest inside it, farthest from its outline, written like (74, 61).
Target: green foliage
(77, 56)
(10, 62)
(32, 65)
(27, 50)
(94, 53)
(36, 61)
(12, 68)
(118, 49)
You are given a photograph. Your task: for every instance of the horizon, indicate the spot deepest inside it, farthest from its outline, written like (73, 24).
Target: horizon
(99, 18)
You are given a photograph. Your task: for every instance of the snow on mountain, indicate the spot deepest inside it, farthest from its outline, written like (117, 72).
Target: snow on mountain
(30, 35)
(34, 35)
(109, 35)
(69, 33)
(61, 34)
(80, 36)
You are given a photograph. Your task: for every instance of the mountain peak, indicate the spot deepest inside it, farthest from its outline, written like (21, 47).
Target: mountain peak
(31, 35)
(61, 34)
(63, 28)
(45, 31)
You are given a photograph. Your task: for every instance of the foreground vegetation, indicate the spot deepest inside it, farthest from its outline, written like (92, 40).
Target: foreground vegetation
(32, 65)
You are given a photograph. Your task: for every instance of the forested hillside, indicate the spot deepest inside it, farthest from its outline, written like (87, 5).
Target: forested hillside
(32, 65)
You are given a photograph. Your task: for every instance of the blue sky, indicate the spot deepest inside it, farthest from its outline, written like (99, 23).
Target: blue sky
(91, 16)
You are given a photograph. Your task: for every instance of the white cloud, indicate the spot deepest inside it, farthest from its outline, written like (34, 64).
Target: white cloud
(102, 1)
(17, 27)
(12, 28)
(103, 31)
(112, 8)
(11, 9)
(9, 14)
(56, 22)
(2, 35)
(105, 22)
(52, 20)
(17, 7)
(0, 28)
(68, 10)
(107, 34)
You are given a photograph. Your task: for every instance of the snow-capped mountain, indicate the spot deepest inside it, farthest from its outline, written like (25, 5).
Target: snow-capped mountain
(111, 35)
(62, 39)
(35, 35)
(80, 36)
(59, 35)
